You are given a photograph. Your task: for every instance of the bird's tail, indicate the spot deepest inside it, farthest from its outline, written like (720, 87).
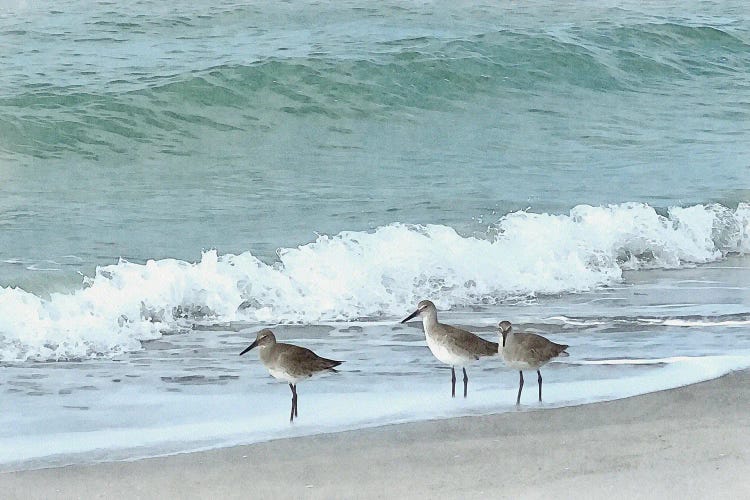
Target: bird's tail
(332, 364)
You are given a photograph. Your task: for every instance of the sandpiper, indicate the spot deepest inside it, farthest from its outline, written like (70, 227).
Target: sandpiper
(527, 351)
(451, 345)
(289, 363)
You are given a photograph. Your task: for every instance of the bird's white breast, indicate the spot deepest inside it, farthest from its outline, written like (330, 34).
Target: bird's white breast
(444, 354)
(516, 364)
(282, 374)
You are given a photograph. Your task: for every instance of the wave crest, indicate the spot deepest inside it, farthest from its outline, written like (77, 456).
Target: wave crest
(366, 274)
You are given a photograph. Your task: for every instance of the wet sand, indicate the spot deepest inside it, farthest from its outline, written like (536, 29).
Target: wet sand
(690, 442)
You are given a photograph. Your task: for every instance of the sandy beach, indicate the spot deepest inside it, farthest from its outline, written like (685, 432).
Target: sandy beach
(691, 442)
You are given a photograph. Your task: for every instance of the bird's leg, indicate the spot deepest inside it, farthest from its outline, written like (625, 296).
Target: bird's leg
(520, 386)
(539, 379)
(466, 382)
(294, 400)
(453, 382)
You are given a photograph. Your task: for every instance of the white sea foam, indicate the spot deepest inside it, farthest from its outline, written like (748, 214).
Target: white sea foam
(680, 322)
(638, 361)
(576, 321)
(699, 323)
(366, 274)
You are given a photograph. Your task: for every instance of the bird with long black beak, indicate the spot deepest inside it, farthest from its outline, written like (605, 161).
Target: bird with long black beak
(451, 345)
(289, 363)
(527, 351)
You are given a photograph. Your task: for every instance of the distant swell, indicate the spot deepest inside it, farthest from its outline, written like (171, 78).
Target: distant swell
(366, 274)
(394, 78)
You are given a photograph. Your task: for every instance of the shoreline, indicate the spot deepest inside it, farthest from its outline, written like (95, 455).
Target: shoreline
(693, 439)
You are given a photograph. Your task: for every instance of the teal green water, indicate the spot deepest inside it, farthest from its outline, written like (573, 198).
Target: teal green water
(152, 131)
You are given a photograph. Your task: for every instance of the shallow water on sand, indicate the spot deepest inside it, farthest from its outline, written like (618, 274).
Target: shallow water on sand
(188, 391)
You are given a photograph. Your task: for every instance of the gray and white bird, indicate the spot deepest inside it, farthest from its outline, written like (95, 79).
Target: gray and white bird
(527, 351)
(289, 363)
(451, 345)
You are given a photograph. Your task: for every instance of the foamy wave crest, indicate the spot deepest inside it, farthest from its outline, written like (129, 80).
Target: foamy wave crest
(365, 274)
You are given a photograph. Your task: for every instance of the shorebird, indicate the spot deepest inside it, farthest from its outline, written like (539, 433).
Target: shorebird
(451, 345)
(289, 363)
(527, 351)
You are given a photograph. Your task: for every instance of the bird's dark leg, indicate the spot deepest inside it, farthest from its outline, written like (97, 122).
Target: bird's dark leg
(466, 382)
(520, 387)
(294, 401)
(453, 382)
(539, 379)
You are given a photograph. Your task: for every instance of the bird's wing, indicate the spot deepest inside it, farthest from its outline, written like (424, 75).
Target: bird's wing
(471, 344)
(302, 361)
(539, 347)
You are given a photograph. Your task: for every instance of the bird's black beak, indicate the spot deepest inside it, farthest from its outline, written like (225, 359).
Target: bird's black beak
(504, 328)
(252, 346)
(410, 316)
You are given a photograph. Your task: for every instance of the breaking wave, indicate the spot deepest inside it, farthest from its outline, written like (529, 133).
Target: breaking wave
(366, 275)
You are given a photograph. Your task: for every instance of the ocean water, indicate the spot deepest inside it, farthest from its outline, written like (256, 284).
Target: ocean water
(174, 177)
